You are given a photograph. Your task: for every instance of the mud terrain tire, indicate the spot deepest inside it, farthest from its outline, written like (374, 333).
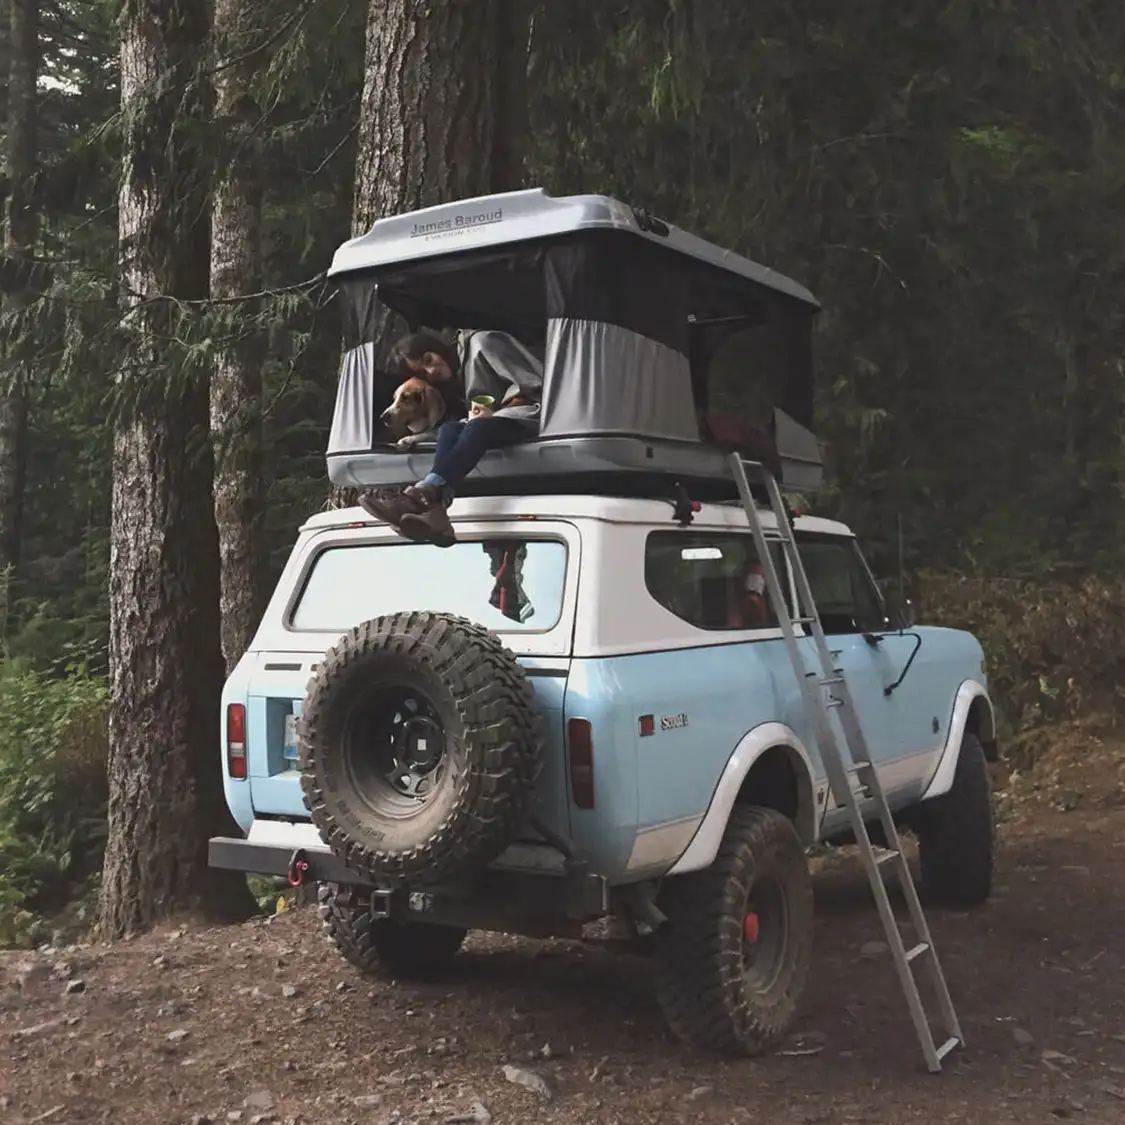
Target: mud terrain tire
(956, 835)
(380, 947)
(394, 696)
(713, 998)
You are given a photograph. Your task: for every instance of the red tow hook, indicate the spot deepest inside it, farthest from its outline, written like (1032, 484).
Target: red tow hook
(298, 865)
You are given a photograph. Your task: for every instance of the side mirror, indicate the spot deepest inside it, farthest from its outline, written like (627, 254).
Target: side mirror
(901, 612)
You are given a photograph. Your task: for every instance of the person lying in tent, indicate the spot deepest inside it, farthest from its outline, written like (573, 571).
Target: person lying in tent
(503, 383)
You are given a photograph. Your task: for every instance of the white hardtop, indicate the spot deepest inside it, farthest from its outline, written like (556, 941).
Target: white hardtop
(522, 216)
(606, 509)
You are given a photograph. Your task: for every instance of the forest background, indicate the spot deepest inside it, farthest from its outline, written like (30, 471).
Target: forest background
(947, 179)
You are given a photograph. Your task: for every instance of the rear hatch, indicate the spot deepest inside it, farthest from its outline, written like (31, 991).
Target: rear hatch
(344, 576)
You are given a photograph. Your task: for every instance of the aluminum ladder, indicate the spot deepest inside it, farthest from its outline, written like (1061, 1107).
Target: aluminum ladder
(826, 690)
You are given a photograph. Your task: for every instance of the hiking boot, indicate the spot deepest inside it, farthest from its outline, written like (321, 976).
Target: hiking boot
(431, 525)
(390, 505)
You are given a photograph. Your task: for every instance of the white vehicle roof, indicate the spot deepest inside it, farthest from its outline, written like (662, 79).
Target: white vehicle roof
(523, 216)
(608, 509)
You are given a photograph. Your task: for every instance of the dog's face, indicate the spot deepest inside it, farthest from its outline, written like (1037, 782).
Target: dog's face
(417, 407)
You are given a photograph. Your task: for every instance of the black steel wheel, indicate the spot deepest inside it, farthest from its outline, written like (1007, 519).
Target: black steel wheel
(418, 748)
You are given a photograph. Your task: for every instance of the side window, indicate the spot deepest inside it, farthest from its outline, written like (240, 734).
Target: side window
(711, 580)
(841, 586)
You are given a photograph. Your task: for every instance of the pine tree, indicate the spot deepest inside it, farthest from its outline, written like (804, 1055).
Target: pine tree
(236, 384)
(165, 657)
(21, 226)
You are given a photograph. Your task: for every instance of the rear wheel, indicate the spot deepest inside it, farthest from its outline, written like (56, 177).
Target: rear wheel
(734, 957)
(380, 947)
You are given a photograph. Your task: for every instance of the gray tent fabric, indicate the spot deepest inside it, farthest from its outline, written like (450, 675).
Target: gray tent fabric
(601, 378)
(353, 421)
(497, 364)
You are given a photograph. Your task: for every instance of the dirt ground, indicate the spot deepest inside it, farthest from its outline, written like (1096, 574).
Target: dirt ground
(265, 1023)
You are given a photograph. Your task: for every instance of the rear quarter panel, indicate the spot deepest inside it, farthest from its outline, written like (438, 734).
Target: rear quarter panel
(653, 790)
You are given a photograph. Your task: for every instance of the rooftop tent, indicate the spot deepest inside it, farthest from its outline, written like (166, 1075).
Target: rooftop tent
(631, 317)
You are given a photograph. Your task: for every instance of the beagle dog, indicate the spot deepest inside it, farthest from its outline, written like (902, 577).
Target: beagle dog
(415, 413)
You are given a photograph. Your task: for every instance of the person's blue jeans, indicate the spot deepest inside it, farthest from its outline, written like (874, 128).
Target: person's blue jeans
(460, 445)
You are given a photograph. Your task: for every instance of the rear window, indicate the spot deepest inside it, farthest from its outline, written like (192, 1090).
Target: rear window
(504, 584)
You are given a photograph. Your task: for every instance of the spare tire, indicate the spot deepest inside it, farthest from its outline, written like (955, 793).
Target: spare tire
(418, 748)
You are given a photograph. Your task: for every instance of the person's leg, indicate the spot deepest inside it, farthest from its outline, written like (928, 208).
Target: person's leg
(457, 459)
(390, 505)
(451, 466)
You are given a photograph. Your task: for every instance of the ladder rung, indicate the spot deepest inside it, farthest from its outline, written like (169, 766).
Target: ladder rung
(831, 680)
(919, 949)
(886, 857)
(947, 1046)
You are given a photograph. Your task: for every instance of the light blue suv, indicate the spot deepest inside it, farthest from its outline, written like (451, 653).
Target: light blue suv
(574, 714)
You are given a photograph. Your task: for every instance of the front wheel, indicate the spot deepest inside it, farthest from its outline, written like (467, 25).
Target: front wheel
(956, 834)
(380, 947)
(734, 957)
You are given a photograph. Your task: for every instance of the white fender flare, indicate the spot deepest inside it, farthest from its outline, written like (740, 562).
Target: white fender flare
(704, 844)
(971, 699)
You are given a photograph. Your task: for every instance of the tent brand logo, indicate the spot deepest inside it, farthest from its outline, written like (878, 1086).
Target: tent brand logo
(456, 223)
(673, 722)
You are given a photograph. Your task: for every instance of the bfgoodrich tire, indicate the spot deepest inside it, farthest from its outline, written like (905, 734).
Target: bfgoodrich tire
(956, 835)
(418, 748)
(733, 959)
(380, 947)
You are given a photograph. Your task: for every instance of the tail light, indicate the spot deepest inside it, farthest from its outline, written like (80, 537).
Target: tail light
(236, 740)
(580, 753)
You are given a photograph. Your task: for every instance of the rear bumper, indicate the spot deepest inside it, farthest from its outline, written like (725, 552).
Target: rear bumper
(528, 883)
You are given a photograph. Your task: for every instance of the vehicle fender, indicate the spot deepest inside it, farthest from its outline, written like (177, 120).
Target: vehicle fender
(971, 700)
(704, 845)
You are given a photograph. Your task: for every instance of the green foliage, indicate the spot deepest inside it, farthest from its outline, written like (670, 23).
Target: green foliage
(306, 63)
(945, 178)
(1053, 649)
(52, 791)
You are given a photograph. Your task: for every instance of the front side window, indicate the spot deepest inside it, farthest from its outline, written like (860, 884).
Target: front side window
(507, 585)
(841, 586)
(712, 580)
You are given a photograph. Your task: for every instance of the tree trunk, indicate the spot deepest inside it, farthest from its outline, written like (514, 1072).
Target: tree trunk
(509, 142)
(21, 228)
(166, 665)
(236, 383)
(430, 125)
(443, 114)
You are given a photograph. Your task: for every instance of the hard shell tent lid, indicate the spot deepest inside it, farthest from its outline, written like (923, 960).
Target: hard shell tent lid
(628, 312)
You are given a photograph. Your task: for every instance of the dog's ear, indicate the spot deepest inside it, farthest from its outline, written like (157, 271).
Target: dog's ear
(383, 387)
(435, 407)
